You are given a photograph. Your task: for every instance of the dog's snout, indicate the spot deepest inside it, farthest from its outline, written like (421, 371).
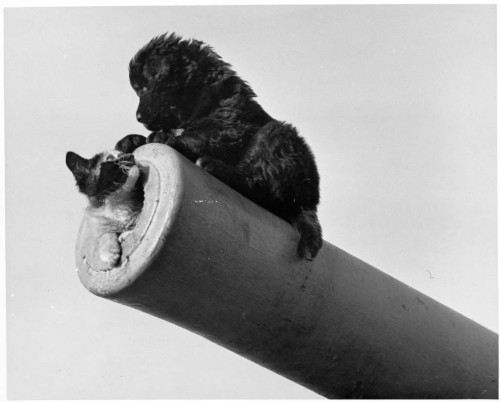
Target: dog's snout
(139, 117)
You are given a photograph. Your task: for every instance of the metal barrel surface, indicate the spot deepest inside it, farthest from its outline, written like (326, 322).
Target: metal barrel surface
(207, 259)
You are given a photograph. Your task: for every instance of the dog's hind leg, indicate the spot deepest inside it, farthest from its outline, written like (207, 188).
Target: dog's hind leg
(307, 224)
(306, 221)
(282, 167)
(230, 175)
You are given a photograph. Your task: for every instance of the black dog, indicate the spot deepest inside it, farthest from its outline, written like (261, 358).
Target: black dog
(195, 102)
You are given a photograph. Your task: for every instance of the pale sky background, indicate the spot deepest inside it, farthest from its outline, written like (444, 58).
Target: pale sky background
(398, 104)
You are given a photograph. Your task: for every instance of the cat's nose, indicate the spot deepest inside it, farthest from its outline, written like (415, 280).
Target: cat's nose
(139, 117)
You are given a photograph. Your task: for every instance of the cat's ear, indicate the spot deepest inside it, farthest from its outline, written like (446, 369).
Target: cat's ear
(78, 165)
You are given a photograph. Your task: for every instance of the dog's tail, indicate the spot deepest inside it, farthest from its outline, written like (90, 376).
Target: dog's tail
(310, 242)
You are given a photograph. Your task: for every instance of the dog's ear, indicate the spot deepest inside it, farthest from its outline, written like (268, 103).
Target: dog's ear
(163, 66)
(148, 72)
(156, 67)
(190, 66)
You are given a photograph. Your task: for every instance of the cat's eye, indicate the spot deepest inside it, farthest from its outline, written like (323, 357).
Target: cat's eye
(110, 158)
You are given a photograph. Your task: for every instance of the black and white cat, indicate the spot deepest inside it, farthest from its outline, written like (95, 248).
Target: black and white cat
(112, 183)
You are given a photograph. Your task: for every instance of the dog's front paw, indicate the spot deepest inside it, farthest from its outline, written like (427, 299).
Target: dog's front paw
(110, 250)
(208, 163)
(159, 137)
(130, 143)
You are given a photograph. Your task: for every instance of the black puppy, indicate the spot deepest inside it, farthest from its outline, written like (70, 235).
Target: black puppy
(195, 102)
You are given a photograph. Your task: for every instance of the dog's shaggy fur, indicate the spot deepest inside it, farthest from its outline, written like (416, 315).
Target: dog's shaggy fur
(193, 101)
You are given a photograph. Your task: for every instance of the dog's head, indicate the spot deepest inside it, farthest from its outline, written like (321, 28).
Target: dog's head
(174, 79)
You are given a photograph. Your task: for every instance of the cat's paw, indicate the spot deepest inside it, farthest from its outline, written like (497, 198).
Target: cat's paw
(133, 176)
(110, 250)
(111, 257)
(124, 235)
(130, 143)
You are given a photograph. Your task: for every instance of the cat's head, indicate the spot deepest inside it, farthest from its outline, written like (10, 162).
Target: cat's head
(101, 175)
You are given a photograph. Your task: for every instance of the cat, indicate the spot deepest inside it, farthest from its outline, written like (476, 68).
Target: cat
(113, 185)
